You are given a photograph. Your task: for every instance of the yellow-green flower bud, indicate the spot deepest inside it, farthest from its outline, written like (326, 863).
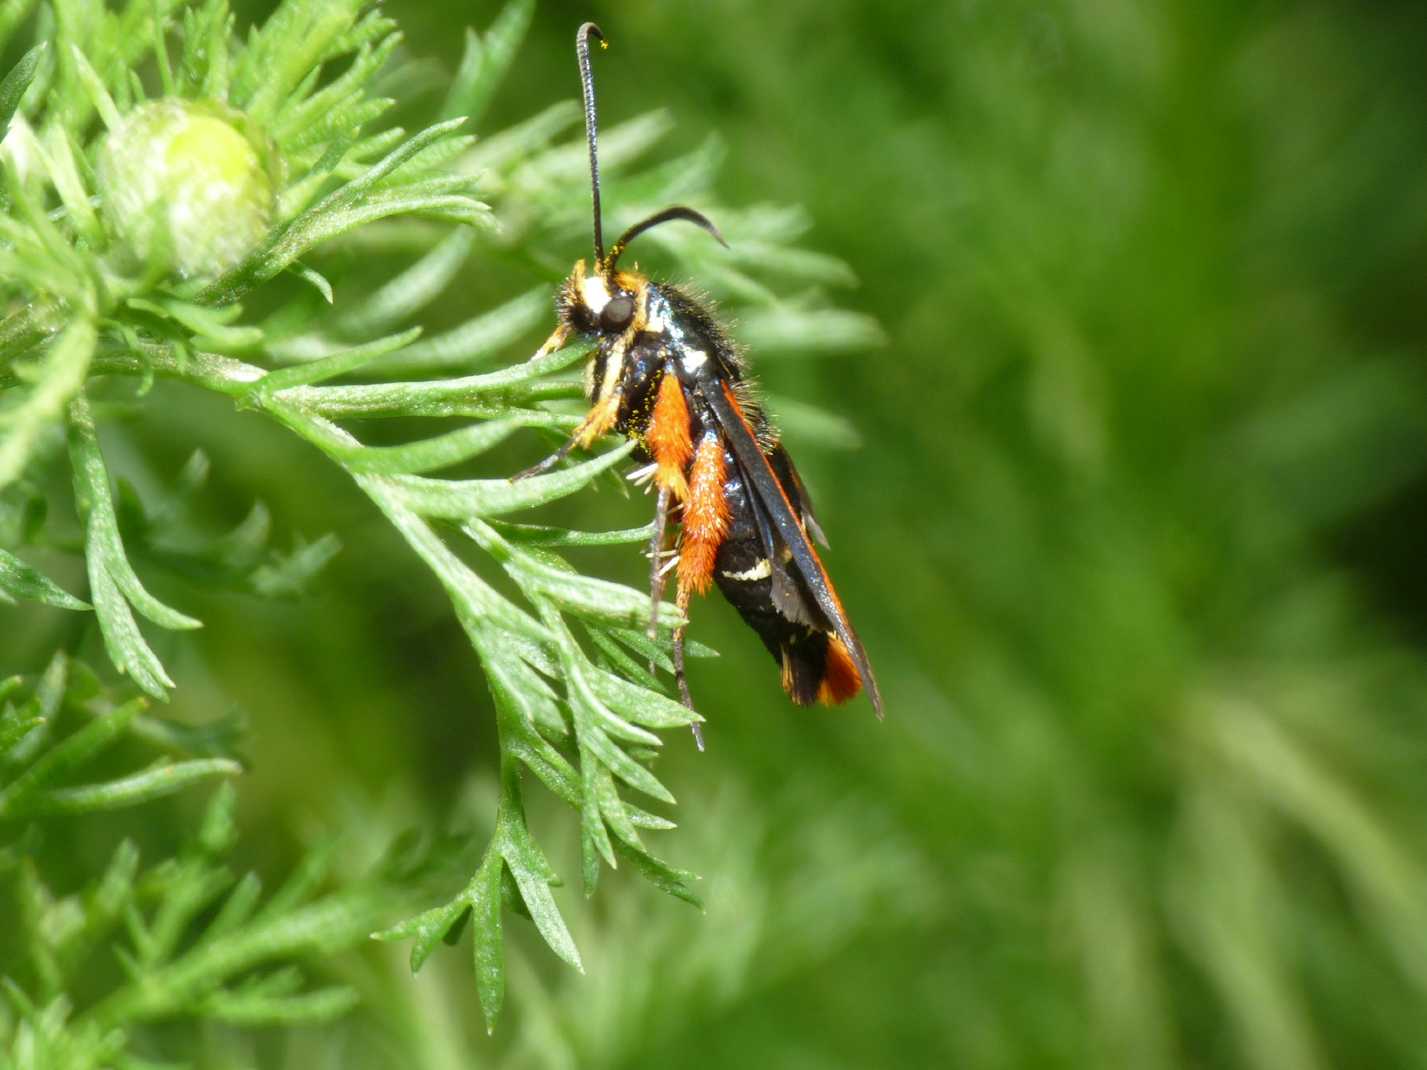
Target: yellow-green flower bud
(186, 182)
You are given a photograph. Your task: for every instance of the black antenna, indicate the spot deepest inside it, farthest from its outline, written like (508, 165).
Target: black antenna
(587, 84)
(667, 215)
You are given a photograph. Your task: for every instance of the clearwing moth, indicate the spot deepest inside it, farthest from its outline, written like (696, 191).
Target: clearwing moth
(664, 373)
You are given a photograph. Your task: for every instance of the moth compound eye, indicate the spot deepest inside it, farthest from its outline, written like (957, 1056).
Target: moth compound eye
(616, 315)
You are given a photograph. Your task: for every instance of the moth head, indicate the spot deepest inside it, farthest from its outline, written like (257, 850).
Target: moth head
(594, 303)
(605, 300)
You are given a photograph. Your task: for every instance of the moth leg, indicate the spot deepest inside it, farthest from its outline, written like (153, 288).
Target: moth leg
(705, 525)
(545, 465)
(679, 674)
(656, 562)
(597, 421)
(558, 337)
(683, 680)
(668, 443)
(668, 438)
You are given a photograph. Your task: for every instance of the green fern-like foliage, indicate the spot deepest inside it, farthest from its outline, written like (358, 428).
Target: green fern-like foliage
(144, 215)
(184, 937)
(41, 764)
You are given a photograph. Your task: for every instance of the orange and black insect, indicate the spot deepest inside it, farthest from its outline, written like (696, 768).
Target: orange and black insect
(664, 373)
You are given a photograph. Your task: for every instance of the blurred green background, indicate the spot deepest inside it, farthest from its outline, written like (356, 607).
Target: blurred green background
(1132, 536)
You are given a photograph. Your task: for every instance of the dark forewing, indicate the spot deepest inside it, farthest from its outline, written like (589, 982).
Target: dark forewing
(765, 484)
(787, 474)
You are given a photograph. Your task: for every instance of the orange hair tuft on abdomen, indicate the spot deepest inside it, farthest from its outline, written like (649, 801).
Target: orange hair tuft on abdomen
(841, 680)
